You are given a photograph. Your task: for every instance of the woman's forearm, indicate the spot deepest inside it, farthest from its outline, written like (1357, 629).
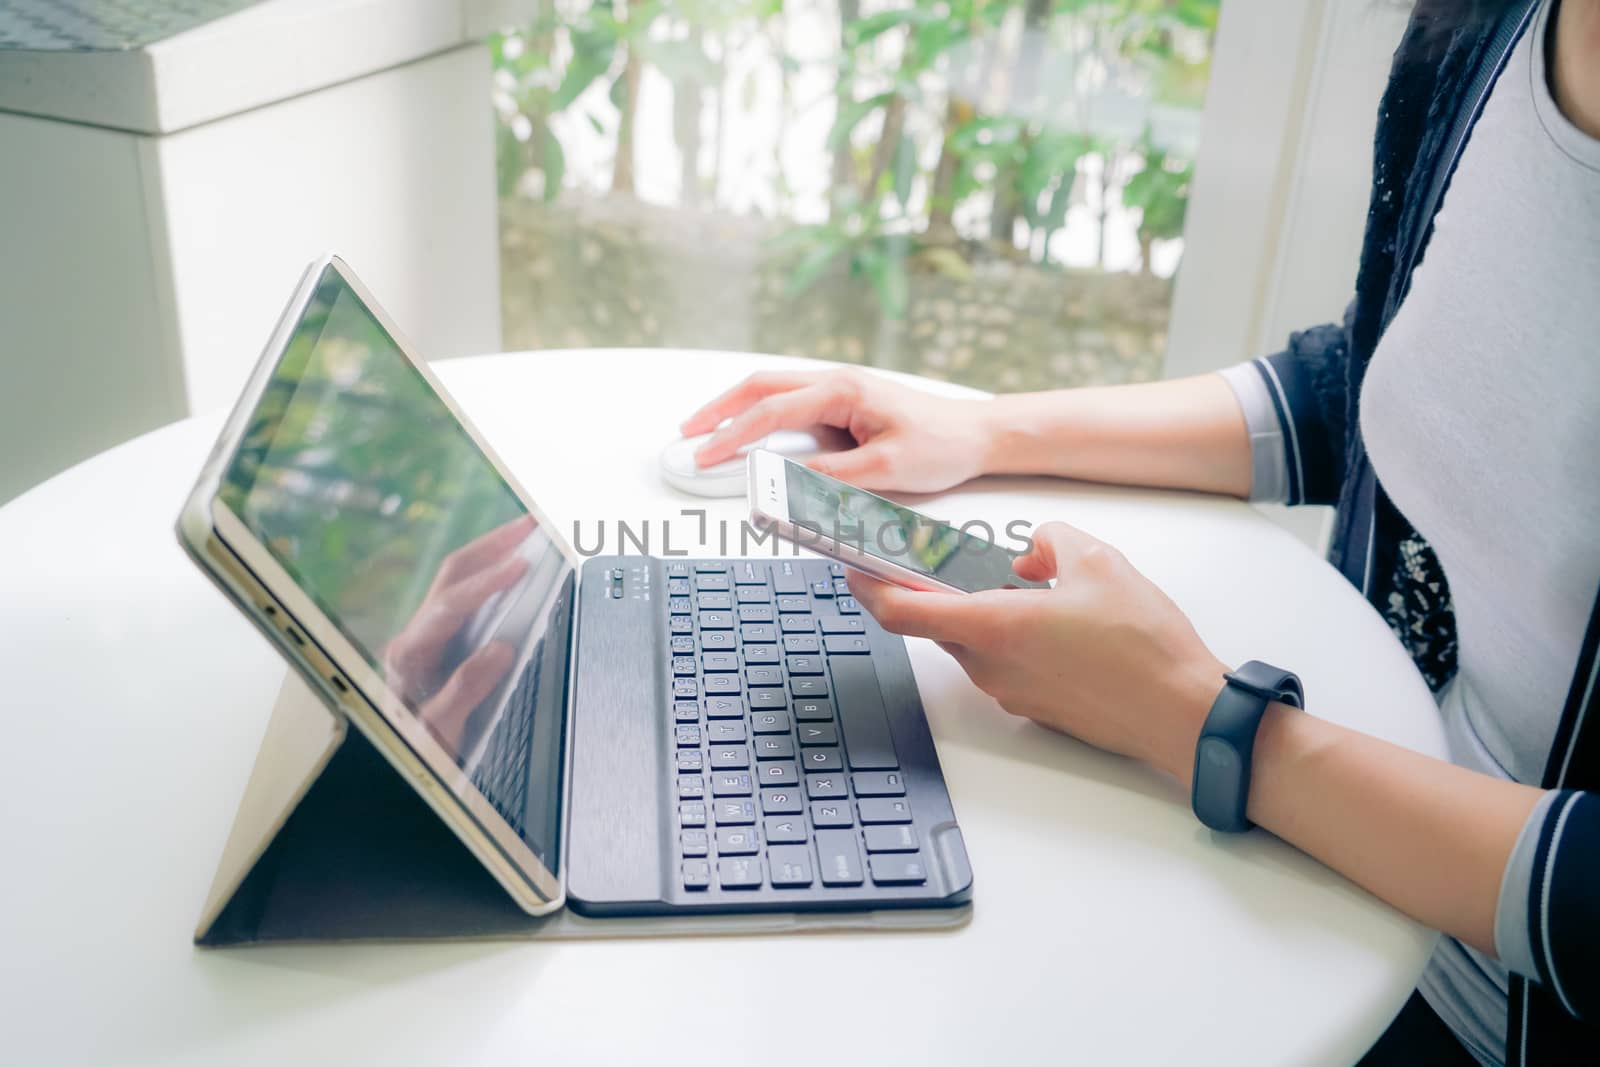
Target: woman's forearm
(1183, 434)
(1427, 836)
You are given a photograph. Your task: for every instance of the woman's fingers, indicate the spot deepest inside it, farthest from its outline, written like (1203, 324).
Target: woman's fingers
(468, 687)
(954, 618)
(480, 552)
(1056, 547)
(756, 387)
(794, 409)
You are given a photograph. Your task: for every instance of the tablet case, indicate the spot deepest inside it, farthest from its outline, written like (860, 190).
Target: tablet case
(331, 844)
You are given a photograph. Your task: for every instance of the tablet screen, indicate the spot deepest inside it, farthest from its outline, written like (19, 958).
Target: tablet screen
(365, 487)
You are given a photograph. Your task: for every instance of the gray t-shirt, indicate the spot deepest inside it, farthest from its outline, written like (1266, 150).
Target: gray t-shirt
(1481, 413)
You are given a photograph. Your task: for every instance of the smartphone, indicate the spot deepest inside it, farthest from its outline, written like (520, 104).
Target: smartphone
(874, 535)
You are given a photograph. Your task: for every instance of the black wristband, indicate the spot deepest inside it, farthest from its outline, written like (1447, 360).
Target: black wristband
(1221, 787)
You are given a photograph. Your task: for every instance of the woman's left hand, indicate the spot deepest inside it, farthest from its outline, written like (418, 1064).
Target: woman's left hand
(1104, 656)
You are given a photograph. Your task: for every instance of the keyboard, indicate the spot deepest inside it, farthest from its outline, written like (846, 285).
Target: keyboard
(784, 768)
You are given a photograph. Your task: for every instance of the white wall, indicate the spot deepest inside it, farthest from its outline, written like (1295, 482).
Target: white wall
(1281, 185)
(141, 275)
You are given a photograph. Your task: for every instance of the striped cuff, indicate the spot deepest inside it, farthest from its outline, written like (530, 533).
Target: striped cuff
(1563, 928)
(1269, 464)
(1513, 941)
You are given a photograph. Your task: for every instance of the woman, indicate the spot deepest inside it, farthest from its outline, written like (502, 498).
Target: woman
(1453, 419)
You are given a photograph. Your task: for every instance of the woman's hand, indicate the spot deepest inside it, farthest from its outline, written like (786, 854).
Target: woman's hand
(1104, 656)
(905, 439)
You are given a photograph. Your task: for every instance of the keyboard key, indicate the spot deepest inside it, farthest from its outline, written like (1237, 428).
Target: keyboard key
(830, 813)
(737, 841)
(691, 786)
(879, 784)
(813, 710)
(758, 676)
(751, 594)
(731, 784)
(695, 842)
(825, 786)
(802, 643)
(790, 866)
(787, 579)
(722, 685)
(847, 644)
(677, 587)
(692, 813)
(711, 583)
(685, 711)
(685, 688)
(898, 869)
(720, 640)
(681, 625)
(720, 707)
(785, 829)
(884, 809)
(758, 633)
(778, 773)
(754, 612)
(847, 605)
(772, 746)
(754, 654)
(683, 666)
(714, 601)
(710, 566)
(678, 569)
(767, 698)
(688, 736)
(696, 874)
(690, 761)
(843, 624)
(823, 588)
(724, 731)
(804, 664)
(719, 662)
(678, 605)
(716, 620)
(818, 733)
(808, 686)
(821, 759)
(798, 624)
(836, 569)
(735, 813)
(770, 722)
(794, 605)
(750, 572)
(781, 801)
(730, 757)
(682, 645)
(838, 857)
(739, 872)
(861, 715)
(841, 587)
(900, 838)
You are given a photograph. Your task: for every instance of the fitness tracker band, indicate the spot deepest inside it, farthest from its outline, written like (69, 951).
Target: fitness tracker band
(1222, 758)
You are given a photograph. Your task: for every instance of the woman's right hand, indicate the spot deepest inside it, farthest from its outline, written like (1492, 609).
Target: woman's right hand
(905, 439)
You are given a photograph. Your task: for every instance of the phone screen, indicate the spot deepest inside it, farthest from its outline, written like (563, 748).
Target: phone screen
(824, 507)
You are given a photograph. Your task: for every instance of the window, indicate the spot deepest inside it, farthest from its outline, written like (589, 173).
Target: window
(989, 191)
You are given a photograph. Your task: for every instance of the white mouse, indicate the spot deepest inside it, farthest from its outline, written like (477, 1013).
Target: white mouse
(727, 478)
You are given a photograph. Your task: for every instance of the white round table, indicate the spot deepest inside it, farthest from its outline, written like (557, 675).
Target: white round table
(1108, 925)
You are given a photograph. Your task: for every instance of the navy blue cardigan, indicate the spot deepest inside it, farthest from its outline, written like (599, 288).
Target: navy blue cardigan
(1437, 86)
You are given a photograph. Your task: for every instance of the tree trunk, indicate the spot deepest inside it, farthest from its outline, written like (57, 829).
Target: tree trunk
(843, 165)
(622, 169)
(1145, 244)
(941, 194)
(894, 117)
(687, 101)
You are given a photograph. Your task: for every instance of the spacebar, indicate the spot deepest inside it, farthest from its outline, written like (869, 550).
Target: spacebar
(861, 715)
